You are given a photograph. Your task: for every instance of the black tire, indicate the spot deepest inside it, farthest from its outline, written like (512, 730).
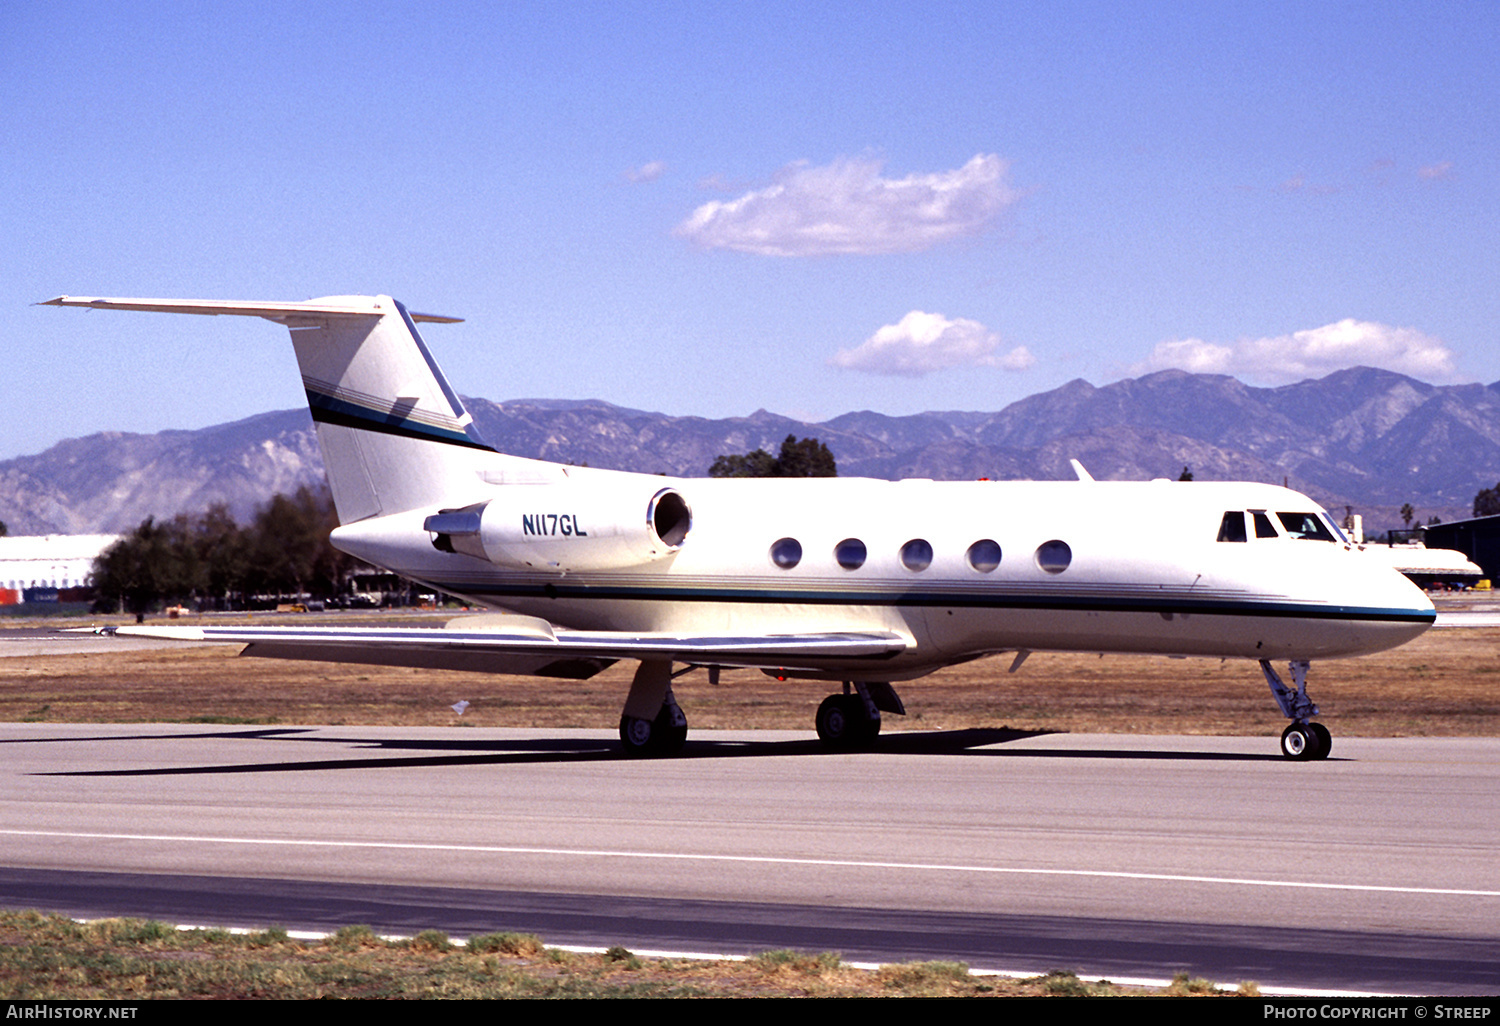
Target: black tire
(1299, 742)
(833, 722)
(670, 736)
(638, 737)
(652, 739)
(1325, 740)
(843, 723)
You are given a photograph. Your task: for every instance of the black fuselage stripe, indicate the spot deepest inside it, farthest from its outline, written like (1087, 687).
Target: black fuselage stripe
(930, 600)
(324, 415)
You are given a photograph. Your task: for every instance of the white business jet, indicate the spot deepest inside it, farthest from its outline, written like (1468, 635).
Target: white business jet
(856, 581)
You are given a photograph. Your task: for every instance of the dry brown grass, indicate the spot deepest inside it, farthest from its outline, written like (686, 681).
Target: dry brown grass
(1444, 683)
(52, 958)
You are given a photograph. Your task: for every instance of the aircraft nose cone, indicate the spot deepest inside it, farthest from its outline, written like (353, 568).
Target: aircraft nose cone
(1398, 611)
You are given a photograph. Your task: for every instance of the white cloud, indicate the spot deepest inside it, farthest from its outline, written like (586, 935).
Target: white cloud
(1311, 353)
(921, 343)
(648, 172)
(846, 207)
(1436, 172)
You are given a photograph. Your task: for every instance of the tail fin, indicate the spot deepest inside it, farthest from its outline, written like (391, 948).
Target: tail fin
(394, 434)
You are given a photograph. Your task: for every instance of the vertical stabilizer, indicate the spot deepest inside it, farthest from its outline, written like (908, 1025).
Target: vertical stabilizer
(394, 434)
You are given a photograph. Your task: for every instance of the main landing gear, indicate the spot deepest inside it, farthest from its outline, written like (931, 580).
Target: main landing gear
(851, 720)
(653, 725)
(663, 736)
(1303, 740)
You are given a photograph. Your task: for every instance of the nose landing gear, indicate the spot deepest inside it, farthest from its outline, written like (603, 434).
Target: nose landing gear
(1303, 740)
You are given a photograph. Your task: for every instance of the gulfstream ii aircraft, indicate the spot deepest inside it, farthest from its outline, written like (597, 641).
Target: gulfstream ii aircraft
(856, 581)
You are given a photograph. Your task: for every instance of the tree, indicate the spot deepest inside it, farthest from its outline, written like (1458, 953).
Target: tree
(152, 563)
(1186, 475)
(290, 550)
(1407, 513)
(224, 549)
(3, 529)
(1487, 502)
(753, 464)
(210, 556)
(805, 458)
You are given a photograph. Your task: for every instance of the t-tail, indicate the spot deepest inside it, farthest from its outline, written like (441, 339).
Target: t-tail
(394, 434)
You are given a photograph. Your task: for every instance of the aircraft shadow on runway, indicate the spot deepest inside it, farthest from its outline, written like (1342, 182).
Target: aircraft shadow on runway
(466, 752)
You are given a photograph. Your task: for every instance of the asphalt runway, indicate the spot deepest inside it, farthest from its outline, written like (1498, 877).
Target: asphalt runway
(1131, 857)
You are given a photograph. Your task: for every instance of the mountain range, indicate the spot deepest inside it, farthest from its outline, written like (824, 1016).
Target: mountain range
(1364, 438)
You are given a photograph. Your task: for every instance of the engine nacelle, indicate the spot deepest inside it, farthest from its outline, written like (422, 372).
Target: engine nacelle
(567, 527)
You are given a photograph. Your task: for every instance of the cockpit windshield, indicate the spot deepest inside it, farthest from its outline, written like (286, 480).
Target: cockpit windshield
(1301, 526)
(1305, 526)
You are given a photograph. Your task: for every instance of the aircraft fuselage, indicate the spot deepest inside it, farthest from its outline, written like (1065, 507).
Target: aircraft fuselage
(962, 569)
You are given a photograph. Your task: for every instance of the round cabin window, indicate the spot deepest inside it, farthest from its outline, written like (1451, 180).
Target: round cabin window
(1054, 556)
(916, 554)
(786, 552)
(850, 553)
(984, 555)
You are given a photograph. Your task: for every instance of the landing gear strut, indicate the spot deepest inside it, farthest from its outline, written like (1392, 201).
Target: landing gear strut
(1303, 740)
(851, 720)
(653, 725)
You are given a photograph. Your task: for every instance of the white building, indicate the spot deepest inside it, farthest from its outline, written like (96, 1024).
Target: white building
(51, 561)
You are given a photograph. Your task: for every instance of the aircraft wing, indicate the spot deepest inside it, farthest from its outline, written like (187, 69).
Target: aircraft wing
(534, 651)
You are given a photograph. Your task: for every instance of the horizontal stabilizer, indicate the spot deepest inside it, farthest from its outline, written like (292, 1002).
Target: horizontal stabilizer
(335, 306)
(394, 434)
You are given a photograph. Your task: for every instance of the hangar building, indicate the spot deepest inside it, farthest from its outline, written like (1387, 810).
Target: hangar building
(1479, 539)
(46, 567)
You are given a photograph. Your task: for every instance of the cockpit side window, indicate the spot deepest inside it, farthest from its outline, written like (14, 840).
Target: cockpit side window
(1232, 527)
(1263, 526)
(1305, 526)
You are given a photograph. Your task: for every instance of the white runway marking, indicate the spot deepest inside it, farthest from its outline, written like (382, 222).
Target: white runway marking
(760, 859)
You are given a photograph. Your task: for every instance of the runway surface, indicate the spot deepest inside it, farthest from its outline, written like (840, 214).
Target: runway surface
(1122, 856)
(17, 642)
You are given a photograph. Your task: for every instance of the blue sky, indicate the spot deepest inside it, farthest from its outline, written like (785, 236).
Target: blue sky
(712, 208)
